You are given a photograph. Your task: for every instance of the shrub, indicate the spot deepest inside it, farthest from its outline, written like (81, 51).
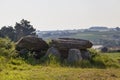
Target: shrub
(94, 52)
(7, 47)
(16, 61)
(6, 43)
(2, 63)
(99, 61)
(104, 61)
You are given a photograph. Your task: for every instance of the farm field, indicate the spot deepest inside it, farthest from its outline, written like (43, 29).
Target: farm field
(95, 35)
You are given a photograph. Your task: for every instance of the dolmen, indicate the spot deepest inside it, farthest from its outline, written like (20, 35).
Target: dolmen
(64, 45)
(65, 48)
(71, 49)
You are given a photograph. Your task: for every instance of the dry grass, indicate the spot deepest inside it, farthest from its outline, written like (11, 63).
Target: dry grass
(60, 73)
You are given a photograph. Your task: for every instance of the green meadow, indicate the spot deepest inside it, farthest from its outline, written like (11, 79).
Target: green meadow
(102, 66)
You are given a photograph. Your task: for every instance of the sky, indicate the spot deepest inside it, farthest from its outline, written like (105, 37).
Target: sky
(61, 14)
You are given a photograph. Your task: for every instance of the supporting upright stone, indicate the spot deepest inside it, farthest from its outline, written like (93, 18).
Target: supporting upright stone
(53, 51)
(74, 56)
(85, 54)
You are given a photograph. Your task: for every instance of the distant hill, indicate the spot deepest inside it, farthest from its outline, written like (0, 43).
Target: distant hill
(98, 28)
(98, 35)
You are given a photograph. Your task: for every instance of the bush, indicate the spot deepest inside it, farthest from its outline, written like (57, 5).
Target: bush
(16, 61)
(6, 43)
(99, 61)
(103, 61)
(7, 47)
(2, 63)
(94, 52)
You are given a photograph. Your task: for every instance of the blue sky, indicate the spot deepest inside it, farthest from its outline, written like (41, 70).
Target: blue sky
(61, 14)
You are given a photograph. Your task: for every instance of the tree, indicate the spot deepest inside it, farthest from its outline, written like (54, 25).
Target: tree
(117, 28)
(23, 29)
(7, 32)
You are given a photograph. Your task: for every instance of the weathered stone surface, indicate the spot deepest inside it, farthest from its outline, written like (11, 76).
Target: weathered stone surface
(64, 44)
(23, 51)
(36, 46)
(69, 43)
(74, 56)
(53, 51)
(85, 54)
(64, 53)
(31, 43)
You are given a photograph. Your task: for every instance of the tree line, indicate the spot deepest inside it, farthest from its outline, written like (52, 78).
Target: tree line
(23, 28)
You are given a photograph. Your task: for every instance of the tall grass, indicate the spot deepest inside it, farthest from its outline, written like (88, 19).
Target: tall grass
(7, 48)
(102, 61)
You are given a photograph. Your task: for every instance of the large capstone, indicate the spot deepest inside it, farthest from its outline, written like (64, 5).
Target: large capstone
(69, 43)
(33, 44)
(64, 44)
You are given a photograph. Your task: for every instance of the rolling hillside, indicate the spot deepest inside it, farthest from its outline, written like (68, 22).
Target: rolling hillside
(106, 38)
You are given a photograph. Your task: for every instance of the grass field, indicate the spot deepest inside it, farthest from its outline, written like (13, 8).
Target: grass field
(94, 35)
(18, 69)
(115, 56)
(102, 66)
(60, 73)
